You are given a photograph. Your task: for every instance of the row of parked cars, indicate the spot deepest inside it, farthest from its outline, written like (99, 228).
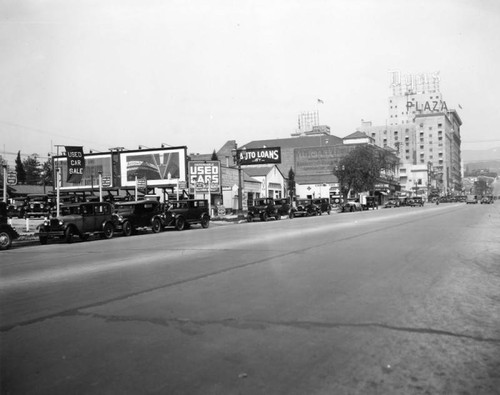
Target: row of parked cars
(264, 209)
(105, 219)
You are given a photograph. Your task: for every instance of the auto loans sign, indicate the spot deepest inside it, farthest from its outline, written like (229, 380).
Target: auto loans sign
(254, 156)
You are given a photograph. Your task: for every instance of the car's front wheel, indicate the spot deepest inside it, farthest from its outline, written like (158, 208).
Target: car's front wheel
(156, 227)
(68, 235)
(205, 221)
(127, 228)
(5, 240)
(43, 240)
(180, 223)
(249, 217)
(108, 231)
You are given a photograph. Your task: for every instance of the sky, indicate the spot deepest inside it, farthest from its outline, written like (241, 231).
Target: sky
(124, 73)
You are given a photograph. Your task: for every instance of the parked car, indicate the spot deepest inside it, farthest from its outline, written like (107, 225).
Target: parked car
(324, 205)
(415, 201)
(16, 208)
(487, 200)
(129, 216)
(37, 205)
(392, 203)
(352, 205)
(263, 208)
(471, 199)
(7, 232)
(370, 203)
(283, 206)
(306, 208)
(184, 213)
(78, 219)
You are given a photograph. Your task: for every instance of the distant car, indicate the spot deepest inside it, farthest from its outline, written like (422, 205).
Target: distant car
(129, 216)
(181, 214)
(7, 232)
(370, 203)
(306, 208)
(78, 219)
(471, 199)
(264, 209)
(16, 208)
(487, 200)
(324, 205)
(415, 201)
(352, 205)
(283, 206)
(392, 203)
(37, 205)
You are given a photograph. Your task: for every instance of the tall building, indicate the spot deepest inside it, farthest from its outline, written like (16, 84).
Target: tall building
(424, 132)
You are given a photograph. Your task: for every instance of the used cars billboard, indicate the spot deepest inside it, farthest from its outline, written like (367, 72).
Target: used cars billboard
(203, 174)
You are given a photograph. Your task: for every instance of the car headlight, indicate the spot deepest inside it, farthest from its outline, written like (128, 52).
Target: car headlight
(46, 223)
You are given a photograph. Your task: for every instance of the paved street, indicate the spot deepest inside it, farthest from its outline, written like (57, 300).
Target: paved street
(391, 301)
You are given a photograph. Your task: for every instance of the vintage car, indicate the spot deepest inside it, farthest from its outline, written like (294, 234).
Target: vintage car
(37, 205)
(129, 216)
(181, 214)
(16, 208)
(352, 205)
(7, 232)
(283, 206)
(392, 203)
(306, 208)
(471, 199)
(78, 219)
(323, 204)
(415, 201)
(263, 208)
(487, 200)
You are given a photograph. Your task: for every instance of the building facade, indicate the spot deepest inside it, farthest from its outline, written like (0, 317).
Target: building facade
(425, 134)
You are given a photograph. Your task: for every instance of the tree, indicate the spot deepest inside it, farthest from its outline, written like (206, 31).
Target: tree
(214, 156)
(47, 174)
(32, 168)
(291, 183)
(360, 169)
(21, 173)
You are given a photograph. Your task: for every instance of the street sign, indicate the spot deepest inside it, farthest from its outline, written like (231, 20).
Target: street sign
(12, 178)
(106, 181)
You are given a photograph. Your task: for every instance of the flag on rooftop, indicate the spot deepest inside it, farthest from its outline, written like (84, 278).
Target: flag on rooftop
(320, 101)
(459, 106)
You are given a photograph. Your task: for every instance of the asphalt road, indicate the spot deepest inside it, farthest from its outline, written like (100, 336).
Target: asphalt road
(391, 301)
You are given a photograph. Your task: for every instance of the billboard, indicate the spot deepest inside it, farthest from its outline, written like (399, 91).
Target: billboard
(160, 167)
(203, 174)
(315, 161)
(94, 163)
(259, 156)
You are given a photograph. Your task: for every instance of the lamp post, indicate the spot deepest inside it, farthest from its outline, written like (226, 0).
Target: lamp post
(237, 159)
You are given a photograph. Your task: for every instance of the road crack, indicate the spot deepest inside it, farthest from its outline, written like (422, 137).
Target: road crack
(194, 326)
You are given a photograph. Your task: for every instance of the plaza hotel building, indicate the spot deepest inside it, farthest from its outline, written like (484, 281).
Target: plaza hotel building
(424, 132)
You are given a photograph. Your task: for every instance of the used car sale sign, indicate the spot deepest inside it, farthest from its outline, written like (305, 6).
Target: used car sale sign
(203, 174)
(76, 164)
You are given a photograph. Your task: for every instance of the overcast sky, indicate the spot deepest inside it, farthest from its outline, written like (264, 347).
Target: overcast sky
(108, 73)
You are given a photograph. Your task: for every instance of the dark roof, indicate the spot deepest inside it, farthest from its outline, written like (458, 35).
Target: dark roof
(357, 135)
(296, 142)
